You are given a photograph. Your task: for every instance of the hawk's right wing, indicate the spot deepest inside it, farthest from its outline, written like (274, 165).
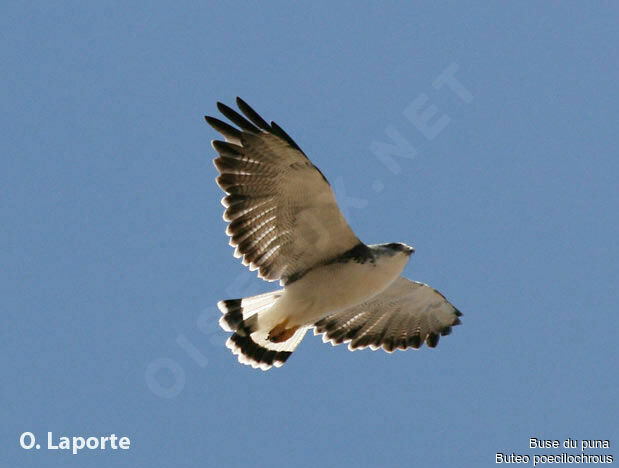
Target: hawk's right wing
(282, 212)
(404, 315)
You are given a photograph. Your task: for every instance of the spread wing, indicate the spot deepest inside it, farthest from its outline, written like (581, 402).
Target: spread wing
(281, 209)
(404, 315)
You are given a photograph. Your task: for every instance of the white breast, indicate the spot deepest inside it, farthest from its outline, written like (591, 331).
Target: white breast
(333, 287)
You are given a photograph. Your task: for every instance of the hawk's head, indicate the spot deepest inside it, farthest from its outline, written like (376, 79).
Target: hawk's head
(398, 247)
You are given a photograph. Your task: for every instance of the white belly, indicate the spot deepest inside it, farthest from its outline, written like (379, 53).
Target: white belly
(331, 288)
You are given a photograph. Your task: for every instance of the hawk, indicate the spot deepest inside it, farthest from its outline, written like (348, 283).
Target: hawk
(285, 223)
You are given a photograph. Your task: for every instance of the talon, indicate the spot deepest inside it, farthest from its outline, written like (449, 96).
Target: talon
(280, 333)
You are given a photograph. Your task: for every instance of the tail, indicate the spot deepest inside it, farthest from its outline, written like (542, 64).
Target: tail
(248, 342)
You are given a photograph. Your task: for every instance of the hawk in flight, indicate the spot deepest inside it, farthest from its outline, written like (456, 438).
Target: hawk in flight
(285, 223)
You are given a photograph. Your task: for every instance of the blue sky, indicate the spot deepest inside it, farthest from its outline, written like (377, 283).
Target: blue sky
(114, 251)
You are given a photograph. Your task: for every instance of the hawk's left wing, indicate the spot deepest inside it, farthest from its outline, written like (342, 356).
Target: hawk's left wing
(404, 315)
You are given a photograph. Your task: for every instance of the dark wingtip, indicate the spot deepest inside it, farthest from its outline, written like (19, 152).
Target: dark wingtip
(237, 118)
(224, 109)
(432, 340)
(252, 115)
(414, 341)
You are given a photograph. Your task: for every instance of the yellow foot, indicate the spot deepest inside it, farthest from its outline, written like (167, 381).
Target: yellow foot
(280, 333)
